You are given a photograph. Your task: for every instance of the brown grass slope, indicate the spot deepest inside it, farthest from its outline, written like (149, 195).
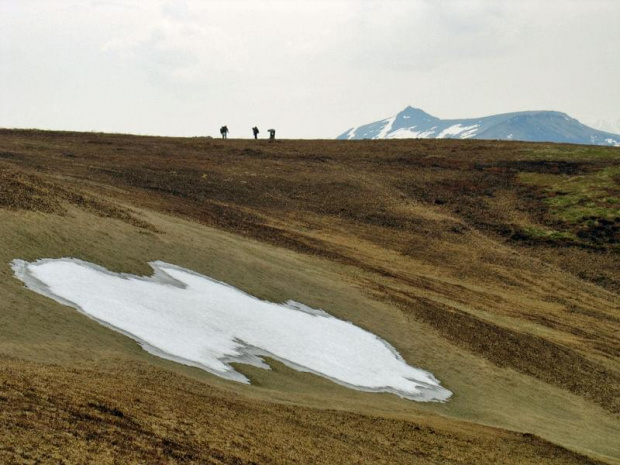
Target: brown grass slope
(81, 416)
(494, 265)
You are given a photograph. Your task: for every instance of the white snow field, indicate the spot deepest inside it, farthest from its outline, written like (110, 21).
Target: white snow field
(187, 317)
(463, 132)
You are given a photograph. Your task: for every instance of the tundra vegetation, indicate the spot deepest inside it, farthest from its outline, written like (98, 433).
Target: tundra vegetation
(493, 265)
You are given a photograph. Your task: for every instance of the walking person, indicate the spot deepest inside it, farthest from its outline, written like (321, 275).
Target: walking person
(272, 134)
(255, 131)
(224, 132)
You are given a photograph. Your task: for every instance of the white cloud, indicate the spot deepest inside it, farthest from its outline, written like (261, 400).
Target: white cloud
(423, 34)
(176, 10)
(311, 68)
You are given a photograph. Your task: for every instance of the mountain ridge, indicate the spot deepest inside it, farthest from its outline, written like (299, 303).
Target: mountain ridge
(528, 126)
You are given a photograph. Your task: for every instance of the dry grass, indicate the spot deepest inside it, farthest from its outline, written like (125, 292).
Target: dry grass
(421, 242)
(26, 191)
(81, 416)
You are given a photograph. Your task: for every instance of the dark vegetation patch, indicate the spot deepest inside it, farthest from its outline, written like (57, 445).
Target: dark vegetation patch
(600, 230)
(8, 155)
(107, 410)
(476, 198)
(541, 166)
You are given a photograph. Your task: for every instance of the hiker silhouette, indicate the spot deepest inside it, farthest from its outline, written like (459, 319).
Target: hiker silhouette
(224, 132)
(272, 133)
(255, 131)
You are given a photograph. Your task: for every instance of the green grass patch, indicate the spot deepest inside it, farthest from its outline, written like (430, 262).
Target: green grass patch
(541, 233)
(575, 198)
(570, 152)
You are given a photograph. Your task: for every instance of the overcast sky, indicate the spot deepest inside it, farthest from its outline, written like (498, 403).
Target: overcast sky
(310, 69)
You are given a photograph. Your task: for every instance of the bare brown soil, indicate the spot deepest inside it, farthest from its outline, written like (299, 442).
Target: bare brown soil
(446, 232)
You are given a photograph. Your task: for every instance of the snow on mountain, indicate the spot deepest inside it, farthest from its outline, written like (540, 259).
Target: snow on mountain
(534, 126)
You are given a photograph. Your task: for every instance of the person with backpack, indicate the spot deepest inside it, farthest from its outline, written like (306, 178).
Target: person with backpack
(255, 131)
(272, 134)
(224, 132)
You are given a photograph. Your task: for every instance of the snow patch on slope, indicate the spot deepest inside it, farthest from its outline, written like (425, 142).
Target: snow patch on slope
(192, 319)
(386, 129)
(409, 133)
(351, 133)
(464, 132)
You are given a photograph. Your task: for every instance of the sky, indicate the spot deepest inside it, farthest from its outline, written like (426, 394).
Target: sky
(309, 69)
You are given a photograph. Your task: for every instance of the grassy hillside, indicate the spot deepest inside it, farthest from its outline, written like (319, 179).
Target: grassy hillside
(495, 266)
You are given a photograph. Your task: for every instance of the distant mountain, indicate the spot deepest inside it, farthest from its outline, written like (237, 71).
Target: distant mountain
(533, 126)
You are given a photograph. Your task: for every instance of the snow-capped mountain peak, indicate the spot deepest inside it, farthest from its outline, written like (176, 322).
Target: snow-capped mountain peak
(536, 126)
